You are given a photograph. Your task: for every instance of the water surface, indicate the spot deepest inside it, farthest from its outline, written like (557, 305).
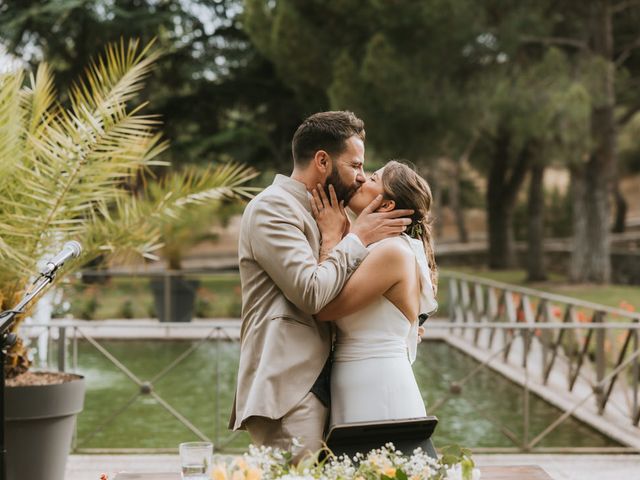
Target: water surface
(200, 388)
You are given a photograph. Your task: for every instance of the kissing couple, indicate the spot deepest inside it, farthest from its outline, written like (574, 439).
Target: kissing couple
(330, 308)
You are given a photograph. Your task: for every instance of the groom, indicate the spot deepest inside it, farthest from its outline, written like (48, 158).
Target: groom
(282, 387)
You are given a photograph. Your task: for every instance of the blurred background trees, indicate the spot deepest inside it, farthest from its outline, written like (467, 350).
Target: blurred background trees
(218, 97)
(484, 97)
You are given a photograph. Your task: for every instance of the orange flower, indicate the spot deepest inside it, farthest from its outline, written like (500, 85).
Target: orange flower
(240, 463)
(219, 473)
(624, 305)
(254, 474)
(237, 475)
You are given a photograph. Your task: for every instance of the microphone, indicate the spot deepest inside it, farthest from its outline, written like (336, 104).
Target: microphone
(70, 250)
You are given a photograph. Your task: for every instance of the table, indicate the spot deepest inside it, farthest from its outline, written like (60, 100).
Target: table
(519, 472)
(148, 476)
(516, 472)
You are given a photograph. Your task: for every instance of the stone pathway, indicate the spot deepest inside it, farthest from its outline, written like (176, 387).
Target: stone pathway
(559, 467)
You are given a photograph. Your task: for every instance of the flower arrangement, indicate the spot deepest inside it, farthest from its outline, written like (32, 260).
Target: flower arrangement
(386, 463)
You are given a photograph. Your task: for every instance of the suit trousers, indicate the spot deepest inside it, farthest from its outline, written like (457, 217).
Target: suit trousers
(305, 422)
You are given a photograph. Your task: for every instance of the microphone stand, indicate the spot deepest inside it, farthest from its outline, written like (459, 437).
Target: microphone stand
(7, 340)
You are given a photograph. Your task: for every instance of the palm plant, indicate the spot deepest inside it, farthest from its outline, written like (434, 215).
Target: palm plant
(191, 227)
(65, 171)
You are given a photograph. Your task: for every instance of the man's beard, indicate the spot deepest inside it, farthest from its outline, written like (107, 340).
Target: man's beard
(344, 192)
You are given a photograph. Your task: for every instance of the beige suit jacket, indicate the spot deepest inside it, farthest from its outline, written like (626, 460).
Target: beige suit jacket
(282, 347)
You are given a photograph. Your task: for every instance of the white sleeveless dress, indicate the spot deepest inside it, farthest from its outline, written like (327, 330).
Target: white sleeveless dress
(371, 376)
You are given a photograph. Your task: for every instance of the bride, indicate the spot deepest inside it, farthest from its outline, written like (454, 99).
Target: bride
(376, 313)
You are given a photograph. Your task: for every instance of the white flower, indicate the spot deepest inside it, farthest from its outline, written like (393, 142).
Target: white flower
(454, 473)
(291, 476)
(274, 464)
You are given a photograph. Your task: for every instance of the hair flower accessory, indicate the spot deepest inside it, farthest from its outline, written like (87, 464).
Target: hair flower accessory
(415, 229)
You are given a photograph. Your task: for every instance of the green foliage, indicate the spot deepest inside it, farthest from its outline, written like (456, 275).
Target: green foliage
(68, 171)
(151, 310)
(629, 146)
(220, 100)
(86, 306)
(218, 296)
(455, 454)
(538, 102)
(66, 165)
(234, 308)
(470, 194)
(557, 216)
(126, 309)
(393, 64)
(600, 41)
(203, 308)
(520, 221)
(213, 187)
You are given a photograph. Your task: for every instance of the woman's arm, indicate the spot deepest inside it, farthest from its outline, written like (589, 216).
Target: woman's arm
(383, 268)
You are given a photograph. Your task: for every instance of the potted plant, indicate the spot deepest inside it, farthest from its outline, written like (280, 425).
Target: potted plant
(65, 173)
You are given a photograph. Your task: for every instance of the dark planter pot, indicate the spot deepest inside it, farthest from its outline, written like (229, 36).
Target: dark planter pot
(39, 428)
(182, 298)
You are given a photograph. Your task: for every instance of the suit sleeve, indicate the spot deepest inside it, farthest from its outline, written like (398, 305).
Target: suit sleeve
(281, 248)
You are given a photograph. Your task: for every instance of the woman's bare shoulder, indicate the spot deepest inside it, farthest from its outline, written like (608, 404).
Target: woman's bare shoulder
(392, 249)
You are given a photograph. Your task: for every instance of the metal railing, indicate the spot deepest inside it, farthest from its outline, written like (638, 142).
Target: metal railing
(68, 334)
(582, 356)
(539, 340)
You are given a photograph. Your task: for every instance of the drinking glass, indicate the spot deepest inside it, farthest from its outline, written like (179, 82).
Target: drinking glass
(195, 458)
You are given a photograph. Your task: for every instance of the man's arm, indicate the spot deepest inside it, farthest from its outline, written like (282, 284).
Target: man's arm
(282, 249)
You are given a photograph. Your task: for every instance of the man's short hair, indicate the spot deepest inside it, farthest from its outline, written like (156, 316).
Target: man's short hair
(326, 131)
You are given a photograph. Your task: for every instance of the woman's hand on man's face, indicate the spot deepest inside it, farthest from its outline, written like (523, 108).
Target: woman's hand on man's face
(330, 216)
